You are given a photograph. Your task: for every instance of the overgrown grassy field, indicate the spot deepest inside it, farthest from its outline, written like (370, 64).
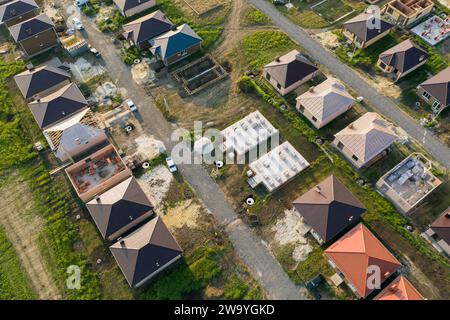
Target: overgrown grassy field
(321, 16)
(14, 284)
(254, 17)
(262, 47)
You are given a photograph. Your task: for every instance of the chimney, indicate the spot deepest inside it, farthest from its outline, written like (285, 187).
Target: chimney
(351, 218)
(98, 199)
(393, 288)
(30, 67)
(63, 113)
(77, 141)
(157, 264)
(122, 243)
(13, 12)
(447, 215)
(350, 126)
(318, 189)
(131, 218)
(277, 59)
(311, 89)
(29, 31)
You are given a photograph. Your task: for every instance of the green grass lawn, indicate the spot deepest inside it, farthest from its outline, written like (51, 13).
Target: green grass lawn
(254, 17)
(262, 47)
(333, 10)
(14, 284)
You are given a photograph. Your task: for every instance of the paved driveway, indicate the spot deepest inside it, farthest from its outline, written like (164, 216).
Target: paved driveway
(377, 101)
(258, 257)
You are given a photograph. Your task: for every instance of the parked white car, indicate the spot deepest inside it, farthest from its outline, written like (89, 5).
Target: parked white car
(77, 24)
(130, 104)
(172, 166)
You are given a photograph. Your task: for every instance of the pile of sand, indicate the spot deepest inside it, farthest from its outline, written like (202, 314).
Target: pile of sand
(142, 74)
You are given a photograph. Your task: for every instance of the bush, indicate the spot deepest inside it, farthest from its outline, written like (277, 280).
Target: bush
(235, 289)
(246, 84)
(256, 17)
(130, 55)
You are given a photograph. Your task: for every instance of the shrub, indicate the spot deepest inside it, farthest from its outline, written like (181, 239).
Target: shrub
(256, 17)
(235, 289)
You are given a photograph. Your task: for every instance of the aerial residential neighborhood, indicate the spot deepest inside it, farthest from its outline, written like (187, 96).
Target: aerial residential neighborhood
(225, 150)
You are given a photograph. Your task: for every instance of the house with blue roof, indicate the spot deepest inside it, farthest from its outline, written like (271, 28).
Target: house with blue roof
(176, 44)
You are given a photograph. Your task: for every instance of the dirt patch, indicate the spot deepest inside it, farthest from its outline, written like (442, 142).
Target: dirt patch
(156, 184)
(328, 39)
(290, 229)
(387, 87)
(203, 6)
(185, 214)
(84, 70)
(22, 228)
(105, 92)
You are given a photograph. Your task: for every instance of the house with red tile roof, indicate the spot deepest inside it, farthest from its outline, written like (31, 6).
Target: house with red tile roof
(356, 255)
(399, 289)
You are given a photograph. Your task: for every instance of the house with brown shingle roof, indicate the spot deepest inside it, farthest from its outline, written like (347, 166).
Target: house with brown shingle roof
(439, 233)
(329, 208)
(399, 289)
(35, 35)
(130, 8)
(148, 27)
(325, 102)
(146, 252)
(17, 11)
(360, 258)
(288, 72)
(365, 140)
(402, 59)
(120, 208)
(365, 29)
(436, 91)
(58, 105)
(37, 82)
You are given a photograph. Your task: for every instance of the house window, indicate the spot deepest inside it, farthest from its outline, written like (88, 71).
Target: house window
(301, 109)
(340, 145)
(279, 86)
(426, 95)
(382, 65)
(355, 158)
(436, 105)
(183, 53)
(268, 76)
(314, 119)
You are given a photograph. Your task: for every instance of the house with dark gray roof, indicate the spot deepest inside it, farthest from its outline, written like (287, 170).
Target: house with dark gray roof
(365, 29)
(329, 208)
(130, 8)
(439, 233)
(146, 252)
(120, 208)
(140, 31)
(37, 82)
(436, 91)
(288, 72)
(58, 106)
(14, 12)
(176, 45)
(35, 35)
(402, 59)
